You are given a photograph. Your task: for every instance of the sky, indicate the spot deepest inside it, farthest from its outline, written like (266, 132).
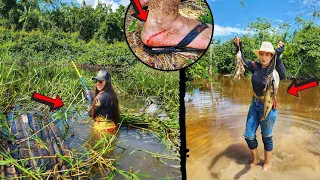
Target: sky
(230, 18)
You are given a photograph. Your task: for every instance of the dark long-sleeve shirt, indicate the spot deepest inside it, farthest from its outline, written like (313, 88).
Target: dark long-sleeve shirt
(103, 106)
(258, 73)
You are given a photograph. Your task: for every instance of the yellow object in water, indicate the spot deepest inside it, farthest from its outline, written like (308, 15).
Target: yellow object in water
(103, 125)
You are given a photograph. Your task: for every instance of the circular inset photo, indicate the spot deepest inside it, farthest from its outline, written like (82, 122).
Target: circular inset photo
(168, 34)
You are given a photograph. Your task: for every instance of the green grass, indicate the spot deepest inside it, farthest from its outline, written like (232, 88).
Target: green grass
(17, 84)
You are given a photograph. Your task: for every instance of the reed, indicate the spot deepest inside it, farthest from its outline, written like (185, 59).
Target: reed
(16, 87)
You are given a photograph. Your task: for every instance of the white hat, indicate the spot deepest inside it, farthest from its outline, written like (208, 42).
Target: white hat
(266, 47)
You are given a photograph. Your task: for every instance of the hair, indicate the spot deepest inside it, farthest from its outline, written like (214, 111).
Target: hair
(273, 56)
(115, 105)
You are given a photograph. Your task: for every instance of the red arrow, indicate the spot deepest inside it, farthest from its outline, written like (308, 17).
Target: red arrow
(140, 14)
(295, 87)
(53, 103)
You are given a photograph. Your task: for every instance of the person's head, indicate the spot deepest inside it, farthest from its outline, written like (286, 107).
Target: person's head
(102, 80)
(265, 53)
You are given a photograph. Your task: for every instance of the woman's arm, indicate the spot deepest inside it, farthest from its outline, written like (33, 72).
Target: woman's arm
(280, 68)
(250, 65)
(101, 101)
(279, 64)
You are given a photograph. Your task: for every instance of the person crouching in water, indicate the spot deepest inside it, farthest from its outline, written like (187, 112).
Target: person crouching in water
(104, 107)
(259, 70)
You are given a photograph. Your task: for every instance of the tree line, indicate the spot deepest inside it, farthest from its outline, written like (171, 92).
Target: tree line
(100, 23)
(301, 56)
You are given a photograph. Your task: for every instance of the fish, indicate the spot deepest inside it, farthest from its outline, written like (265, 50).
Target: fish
(239, 70)
(270, 92)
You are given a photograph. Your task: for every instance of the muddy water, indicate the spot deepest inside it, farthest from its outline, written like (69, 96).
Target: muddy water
(215, 123)
(129, 140)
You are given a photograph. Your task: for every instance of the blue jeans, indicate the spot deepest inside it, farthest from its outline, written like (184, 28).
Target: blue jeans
(254, 120)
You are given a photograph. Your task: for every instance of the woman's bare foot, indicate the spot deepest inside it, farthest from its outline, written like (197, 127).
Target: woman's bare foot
(166, 27)
(267, 157)
(255, 157)
(144, 3)
(170, 33)
(265, 167)
(255, 162)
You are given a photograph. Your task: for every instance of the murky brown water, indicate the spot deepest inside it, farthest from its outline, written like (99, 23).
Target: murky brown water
(215, 122)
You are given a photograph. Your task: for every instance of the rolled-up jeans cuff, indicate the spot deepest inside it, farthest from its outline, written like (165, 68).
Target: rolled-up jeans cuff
(268, 143)
(252, 142)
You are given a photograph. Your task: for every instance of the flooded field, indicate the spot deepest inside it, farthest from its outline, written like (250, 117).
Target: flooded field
(133, 147)
(215, 121)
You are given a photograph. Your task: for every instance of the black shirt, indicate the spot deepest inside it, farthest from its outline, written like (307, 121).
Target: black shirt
(103, 106)
(258, 73)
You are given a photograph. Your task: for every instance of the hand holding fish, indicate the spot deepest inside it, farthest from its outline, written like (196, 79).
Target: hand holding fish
(236, 41)
(280, 48)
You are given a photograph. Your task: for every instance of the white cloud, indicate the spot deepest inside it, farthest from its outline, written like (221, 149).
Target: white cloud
(296, 13)
(224, 31)
(278, 20)
(238, 25)
(125, 2)
(311, 2)
(291, 1)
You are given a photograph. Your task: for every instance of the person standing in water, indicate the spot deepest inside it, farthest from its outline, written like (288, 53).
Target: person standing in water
(259, 70)
(104, 107)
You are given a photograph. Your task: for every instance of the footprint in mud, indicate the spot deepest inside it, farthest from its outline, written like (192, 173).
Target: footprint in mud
(286, 155)
(238, 152)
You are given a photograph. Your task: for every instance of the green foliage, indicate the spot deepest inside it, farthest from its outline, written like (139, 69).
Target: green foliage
(206, 18)
(37, 45)
(301, 56)
(144, 81)
(98, 23)
(131, 28)
(200, 68)
(46, 47)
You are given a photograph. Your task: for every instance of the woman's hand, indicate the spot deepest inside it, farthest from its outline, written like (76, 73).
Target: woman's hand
(280, 48)
(89, 95)
(236, 41)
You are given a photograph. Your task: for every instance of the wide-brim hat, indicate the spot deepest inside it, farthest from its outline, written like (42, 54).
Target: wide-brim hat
(266, 47)
(102, 75)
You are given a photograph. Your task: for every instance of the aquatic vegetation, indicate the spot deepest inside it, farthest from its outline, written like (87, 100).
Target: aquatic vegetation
(74, 163)
(34, 59)
(167, 129)
(18, 83)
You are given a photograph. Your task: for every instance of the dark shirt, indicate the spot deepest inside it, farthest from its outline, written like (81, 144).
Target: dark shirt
(258, 73)
(103, 106)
